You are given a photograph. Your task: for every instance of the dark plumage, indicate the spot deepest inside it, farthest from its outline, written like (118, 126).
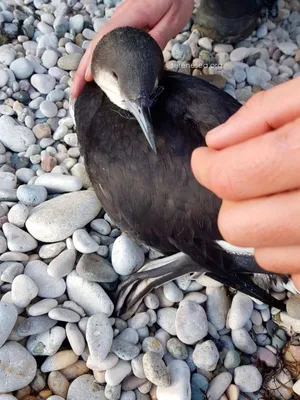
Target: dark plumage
(155, 197)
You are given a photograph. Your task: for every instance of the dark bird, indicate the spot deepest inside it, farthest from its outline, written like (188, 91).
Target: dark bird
(137, 126)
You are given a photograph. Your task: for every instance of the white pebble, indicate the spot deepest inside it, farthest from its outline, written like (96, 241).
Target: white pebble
(23, 290)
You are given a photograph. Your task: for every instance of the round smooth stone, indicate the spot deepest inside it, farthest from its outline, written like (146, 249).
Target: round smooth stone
(114, 376)
(281, 384)
(154, 345)
(35, 325)
(137, 367)
(75, 307)
(140, 320)
(48, 108)
(239, 54)
(155, 370)
(22, 68)
(191, 322)
(60, 360)
(257, 76)
(217, 306)
(43, 83)
(23, 290)
(69, 62)
(57, 383)
(58, 218)
(151, 301)
(206, 356)
(110, 361)
(180, 387)
(129, 335)
(94, 268)
(127, 256)
(293, 307)
(232, 359)
(25, 174)
(219, 385)
(99, 336)
(8, 318)
(63, 264)
(243, 341)
(63, 314)
(89, 295)
(177, 349)
(46, 343)
(248, 378)
(51, 250)
(166, 319)
(18, 214)
(58, 183)
(3, 78)
(31, 195)
(42, 307)
(85, 386)
(124, 350)
(17, 239)
(49, 58)
(75, 338)
(17, 367)
(83, 242)
(8, 180)
(240, 312)
(48, 286)
(7, 54)
(172, 292)
(101, 226)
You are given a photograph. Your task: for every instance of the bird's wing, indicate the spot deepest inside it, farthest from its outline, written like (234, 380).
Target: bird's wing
(197, 101)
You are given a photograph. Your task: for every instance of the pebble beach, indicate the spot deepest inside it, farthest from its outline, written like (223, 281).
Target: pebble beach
(62, 257)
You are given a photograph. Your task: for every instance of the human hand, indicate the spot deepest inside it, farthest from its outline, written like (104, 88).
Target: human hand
(253, 164)
(162, 18)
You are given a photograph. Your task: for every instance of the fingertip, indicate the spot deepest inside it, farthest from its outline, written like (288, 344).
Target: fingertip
(200, 164)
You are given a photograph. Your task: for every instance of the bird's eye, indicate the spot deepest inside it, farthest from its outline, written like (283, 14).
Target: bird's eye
(115, 75)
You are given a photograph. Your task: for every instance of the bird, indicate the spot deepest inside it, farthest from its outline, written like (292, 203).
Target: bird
(137, 126)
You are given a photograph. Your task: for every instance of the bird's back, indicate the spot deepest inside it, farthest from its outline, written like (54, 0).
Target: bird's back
(154, 198)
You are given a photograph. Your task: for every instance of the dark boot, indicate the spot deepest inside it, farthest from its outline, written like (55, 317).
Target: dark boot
(229, 21)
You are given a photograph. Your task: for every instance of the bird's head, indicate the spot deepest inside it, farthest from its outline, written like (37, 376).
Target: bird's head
(127, 65)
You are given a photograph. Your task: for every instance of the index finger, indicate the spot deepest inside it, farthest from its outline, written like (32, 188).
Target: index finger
(265, 111)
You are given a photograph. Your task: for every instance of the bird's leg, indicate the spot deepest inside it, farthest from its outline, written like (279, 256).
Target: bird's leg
(154, 274)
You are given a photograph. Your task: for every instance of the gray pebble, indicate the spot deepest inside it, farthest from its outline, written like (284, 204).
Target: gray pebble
(99, 336)
(248, 378)
(240, 312)
(177, 349)
(46, 343)
(31, 195)
(35, 325)
(243, 341)
(8, 318)
(23, 290)
(206, 356)
(166, 319)
(140, 320)
(156, 370)
(62, 264)
(85, 386)
(191, 322)
(63, 314)
(219, 385)
(125, 350)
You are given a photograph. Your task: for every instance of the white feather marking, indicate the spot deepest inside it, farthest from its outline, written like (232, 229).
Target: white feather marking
(247, 251)
(110, 86)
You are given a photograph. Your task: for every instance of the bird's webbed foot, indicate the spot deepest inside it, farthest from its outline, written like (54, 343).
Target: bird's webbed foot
(132, 290)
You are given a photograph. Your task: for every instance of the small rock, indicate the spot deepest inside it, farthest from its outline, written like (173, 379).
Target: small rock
(60, 360)
(46, 343)
(156, 370)
(18, 215)
(109, 362)
(191, 322)
(127, 256)
(58, 384)
(22, 68)
(69, 62)
(240, 312)
(206, 356)
(94, 268)
(243, 341)
(280, 385)
(154, 345)
(293, 307)
(99, 336)
(75, 338)
(58, 218)
(8, 318)
(239, 54)
(42, 307)
(43, 83)
(85, 386)
(17, 367)
(17, 239)
(219, 385)
(58, 183)
(180, 387)
(140, 320)
(115, 375)
(48, 108)
(172, 292)
(23, 290)
(257, 76)
(288, 48)
(14, 136)
(248, 378)
(177, 349)
(51, 250)
(217, 306)
(166, 319)
(125, 350)
(11, 272)
(63, 314)
(62, 265)
(31, 195)
(232, 360)
(83, 242)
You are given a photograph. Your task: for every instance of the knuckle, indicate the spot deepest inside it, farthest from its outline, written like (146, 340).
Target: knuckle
(222, 181)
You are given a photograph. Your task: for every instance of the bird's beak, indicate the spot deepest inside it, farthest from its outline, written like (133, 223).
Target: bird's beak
(143, 117)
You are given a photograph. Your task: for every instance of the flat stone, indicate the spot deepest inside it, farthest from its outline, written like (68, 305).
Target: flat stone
(83, 242)
(154, 345)
(127, 257)
(58, 384)
(109, 362)
(63, 314)
(7, 180)
(58, 218)
(35, 325)
(14, 136)
(17, 367)
(166, 319)
(293, 307)
(99, 336)
(101, 226)
(206, 356)
(243, 341)
(48, 286)
(177, 349)
(46, 343)
(42, 307)
(75, 338)
(180, 387)
(8, 318)
(191, 322)
(85, 386)
(23, 290)
(18, 214)
(155, 370)
(22, 68)
(232, 360)
(288, 48)
(124, 350)
(89, 295)
(13, 270)
(172, 292)
(51, 250)
(62, 265)
(92, 267)
(43, 83)
(248, 378)
(17, 239)
(219, 385)
(257, 76)
(114, 376)
(138, 321)
(58, 183)
(69, 62)
(240, 312)
(217, 306)
(60, 360)
(48, 108)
